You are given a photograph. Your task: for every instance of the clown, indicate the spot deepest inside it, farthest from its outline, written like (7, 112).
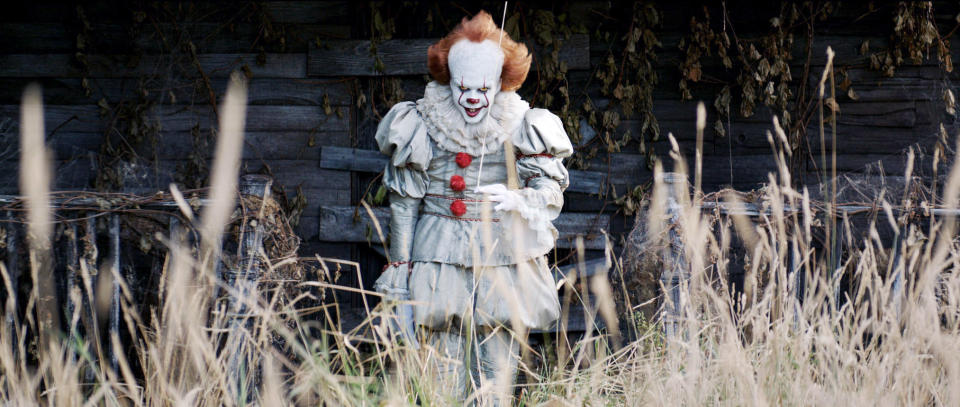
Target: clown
(466, 249)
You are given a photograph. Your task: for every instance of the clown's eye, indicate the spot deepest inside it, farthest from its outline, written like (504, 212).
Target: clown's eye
(463, 87)
(483, 90)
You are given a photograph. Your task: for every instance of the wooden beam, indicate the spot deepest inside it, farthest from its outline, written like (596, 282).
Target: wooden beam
(370, 161)
(351, 224)
(262, 91)
(87, 119)
(409, 56)
(309, 12)
(208, 37)
(590, 268)
(177, 145)
(271, 65)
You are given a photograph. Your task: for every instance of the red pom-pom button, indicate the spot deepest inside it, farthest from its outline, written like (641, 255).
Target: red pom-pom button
(457, 183)
(458, 208)
(464, 160)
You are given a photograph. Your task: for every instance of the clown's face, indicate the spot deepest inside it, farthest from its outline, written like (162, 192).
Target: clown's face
(474, 77)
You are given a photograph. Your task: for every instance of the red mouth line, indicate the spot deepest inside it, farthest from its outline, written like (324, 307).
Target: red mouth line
(473, 111)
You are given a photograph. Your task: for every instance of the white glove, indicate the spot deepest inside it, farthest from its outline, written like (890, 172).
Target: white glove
(536, 218)
(506, 199)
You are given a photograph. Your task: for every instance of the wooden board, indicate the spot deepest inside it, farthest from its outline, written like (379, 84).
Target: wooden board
(176, 145)
(339, 224)
(305, 12)
(408, 57)
(130, 66)
(325, 11)
(68, 175)
(86, 119)
(261, 91)
(207, 37)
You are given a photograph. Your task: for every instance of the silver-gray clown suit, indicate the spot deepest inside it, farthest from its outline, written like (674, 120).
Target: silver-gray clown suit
(436, 213)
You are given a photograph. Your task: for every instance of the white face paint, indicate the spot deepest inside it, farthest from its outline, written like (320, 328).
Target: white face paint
(474, 77)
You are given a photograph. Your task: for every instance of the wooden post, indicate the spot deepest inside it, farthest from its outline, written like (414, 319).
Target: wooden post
(115, 287)
(244, 281)
(13, 271)
(836, 258)
(72, 263)
(796, 279)
(90, 315)
(896, 288)
(676, 274)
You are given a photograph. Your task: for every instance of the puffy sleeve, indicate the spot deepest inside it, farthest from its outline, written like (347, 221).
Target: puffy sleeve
(402, 135)
(541, 146)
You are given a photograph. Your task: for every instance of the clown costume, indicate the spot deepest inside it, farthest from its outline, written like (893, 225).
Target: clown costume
(471, 280)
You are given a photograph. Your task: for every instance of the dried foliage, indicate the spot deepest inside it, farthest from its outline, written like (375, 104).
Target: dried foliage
(914, 35)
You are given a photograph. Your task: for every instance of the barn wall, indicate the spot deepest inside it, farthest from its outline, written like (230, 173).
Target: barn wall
(315, 97)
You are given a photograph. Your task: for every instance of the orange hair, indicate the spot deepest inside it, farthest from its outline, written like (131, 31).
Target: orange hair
(516, 58)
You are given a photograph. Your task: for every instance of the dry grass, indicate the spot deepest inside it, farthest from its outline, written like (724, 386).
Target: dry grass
(761, 347)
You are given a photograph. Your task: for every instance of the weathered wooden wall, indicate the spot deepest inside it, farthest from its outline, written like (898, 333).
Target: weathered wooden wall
(315, 96)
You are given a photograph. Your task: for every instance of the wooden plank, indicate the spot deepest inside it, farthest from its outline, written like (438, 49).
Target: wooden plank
(353, 58)
(261, 91)
(86, 119)
(746, 171)
(69, 175)
(853, 140)
(117, 13)
(321, 187)
(362, 160)
(338, 224)
(590, 268)
(312, 248)
(305, 12)
(272, 65)
(259, 145)
(871, 114)
(409, 57)
(352, 159)
(38, 37)
(303, 173)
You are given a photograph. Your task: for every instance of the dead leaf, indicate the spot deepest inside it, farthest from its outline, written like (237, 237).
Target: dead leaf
(950, 102)
(832, 104)
(852, 95)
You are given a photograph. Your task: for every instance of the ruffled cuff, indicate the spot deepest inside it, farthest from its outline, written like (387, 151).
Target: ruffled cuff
(538, 209)
(392, 283)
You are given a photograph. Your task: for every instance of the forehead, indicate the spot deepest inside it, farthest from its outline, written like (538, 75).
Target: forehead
(472, 63)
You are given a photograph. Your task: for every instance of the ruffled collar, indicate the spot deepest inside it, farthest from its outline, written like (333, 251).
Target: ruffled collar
(448, 129)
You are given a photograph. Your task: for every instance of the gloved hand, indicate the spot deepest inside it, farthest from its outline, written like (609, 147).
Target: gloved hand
(528, 213)
(392, 283)
(507, 200)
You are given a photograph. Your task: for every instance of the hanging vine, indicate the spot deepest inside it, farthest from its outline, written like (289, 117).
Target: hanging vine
(914, 35)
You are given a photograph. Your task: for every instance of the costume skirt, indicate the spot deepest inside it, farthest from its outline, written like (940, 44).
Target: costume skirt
(493, 295)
